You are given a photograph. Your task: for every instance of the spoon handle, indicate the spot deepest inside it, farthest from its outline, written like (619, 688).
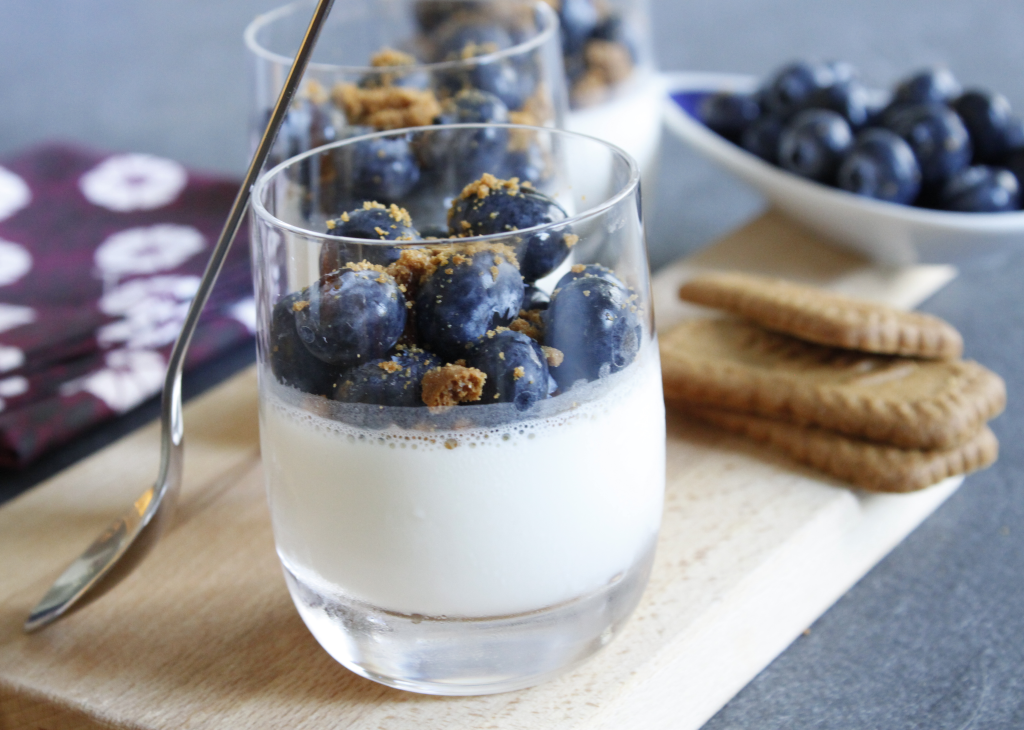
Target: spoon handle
(114, 542)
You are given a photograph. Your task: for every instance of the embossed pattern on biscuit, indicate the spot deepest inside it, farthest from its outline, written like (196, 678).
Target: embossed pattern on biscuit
(825, 318)
(870, 466)
(918, 404)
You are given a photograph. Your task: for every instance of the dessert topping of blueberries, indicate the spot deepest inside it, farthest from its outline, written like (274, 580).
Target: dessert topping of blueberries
(805, 115)
(290, 361)
(467, 291)
(491, 205)
(394, 381)
(350, 316)
(516, 369)
(373, 221)
(596, 325)
(384, 168)
(594, 271)
(451, 322)
(486, 148)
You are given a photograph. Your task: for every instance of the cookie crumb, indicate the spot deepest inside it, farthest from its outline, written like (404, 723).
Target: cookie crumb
(391, 57)
(452, 384)
(527, 328)
(387, 107)
(553, 355)
(389, 366)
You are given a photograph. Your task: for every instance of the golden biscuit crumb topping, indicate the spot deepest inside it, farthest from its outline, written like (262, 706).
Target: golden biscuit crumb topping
(387, 107)
(453, 384)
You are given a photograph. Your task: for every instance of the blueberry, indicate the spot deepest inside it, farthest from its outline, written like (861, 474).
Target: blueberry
(376, 222)
(981, 189)
(762, 137)
(511, 83)
(434, 231)
(578, 19)
(575, 67)
(593, 271)
(528, 165)
(384, 169)
(516, 369)
(813, 144)
(306, 125)
(614, 29)
(473, 289)
(477, 152)
(849, 98)
(792, 86)
(929, 86)
(987, 118)
(458, 39)
(534, 298)
(431, 14)
(291, 363)
(728, 113)
(1014, 134)
(881, 165)
(393, 381)
(373, 221)
(499, 77)
(349, 317)
(596, 326)
(938, 138)
(840, 72)
(1014, 162)
(491, 205)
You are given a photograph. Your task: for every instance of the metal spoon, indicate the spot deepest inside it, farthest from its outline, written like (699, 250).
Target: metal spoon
(128, 538)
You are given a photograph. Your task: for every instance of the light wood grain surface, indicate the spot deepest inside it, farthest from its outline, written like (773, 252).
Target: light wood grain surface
(753, 548)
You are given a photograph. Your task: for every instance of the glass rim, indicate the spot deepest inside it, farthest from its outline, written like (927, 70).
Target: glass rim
(627, 189)
(263, 20)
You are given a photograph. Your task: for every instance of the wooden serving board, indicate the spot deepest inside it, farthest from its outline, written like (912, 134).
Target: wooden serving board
(753, 549)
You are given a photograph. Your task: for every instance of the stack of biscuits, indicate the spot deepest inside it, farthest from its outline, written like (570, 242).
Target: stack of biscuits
(875, 396)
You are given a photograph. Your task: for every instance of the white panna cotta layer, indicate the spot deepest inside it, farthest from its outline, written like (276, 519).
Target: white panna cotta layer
(471, 522)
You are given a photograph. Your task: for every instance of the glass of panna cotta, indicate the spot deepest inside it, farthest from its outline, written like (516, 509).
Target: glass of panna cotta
(461, 415)
(615, 92)
(389, 64)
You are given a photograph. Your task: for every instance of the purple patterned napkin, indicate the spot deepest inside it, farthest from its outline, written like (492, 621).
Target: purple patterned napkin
(99, 258)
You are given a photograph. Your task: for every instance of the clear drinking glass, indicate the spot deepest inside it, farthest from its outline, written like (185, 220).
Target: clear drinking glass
(463, 438)
(615, 92)
(388, 64)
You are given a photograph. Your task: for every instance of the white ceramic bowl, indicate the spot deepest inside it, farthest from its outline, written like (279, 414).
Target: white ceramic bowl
(886, 232)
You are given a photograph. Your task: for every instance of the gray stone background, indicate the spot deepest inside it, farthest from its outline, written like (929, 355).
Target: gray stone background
(934, 636)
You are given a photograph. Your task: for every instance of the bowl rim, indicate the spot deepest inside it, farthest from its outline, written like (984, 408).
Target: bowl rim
(765, 176)
(265, 19)
(629, 187)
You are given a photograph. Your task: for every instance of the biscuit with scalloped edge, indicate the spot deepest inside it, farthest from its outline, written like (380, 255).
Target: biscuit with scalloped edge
(917, 404)
(870, 466)
(830, 319)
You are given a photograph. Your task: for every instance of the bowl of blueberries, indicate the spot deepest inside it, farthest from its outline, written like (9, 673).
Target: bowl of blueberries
(928, 172)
